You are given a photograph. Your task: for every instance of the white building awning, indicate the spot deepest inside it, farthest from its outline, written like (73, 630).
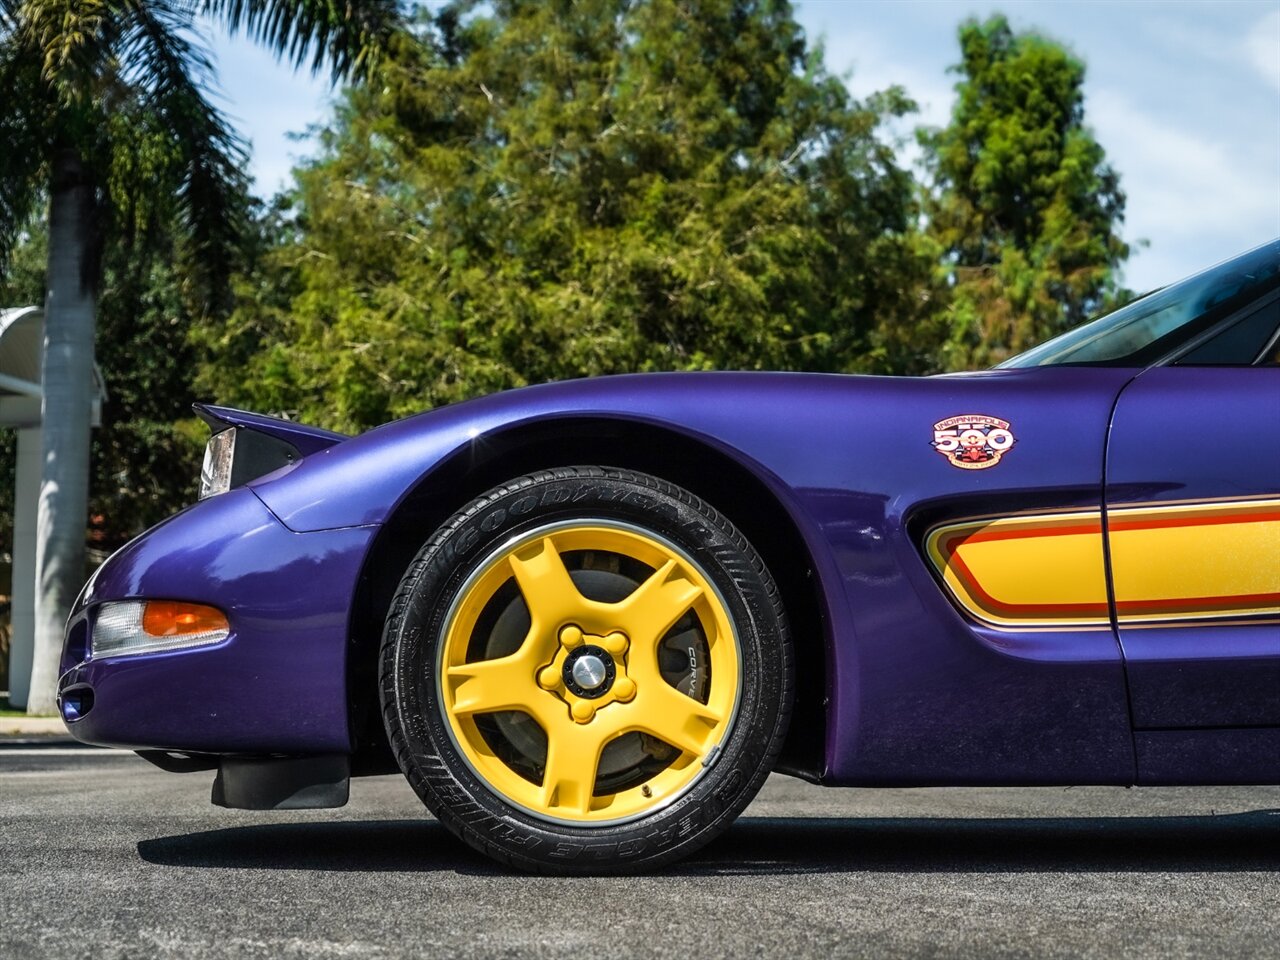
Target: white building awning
(21, 353)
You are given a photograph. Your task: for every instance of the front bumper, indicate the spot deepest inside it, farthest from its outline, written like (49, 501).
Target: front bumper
(276, 685)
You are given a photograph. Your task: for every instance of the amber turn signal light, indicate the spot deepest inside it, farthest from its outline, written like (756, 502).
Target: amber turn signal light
(167, 618)
(131, 627)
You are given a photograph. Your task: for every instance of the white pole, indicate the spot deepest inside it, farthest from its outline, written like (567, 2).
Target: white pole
(26, 504)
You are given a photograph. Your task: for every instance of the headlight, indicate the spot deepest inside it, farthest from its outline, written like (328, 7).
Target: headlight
(237, 455)
(215, 472)
(153, 626)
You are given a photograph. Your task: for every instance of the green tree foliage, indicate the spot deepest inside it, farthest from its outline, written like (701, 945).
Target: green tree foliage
(118, 90)
(146, 454)
(1022, 202)
(541, 190)
(108, 119)
(538, 192)
(122, 84)
(145, 460)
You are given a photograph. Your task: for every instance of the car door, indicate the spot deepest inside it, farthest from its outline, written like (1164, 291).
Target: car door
(1193, 533)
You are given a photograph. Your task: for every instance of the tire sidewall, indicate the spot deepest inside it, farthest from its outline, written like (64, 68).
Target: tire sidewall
(420, 732)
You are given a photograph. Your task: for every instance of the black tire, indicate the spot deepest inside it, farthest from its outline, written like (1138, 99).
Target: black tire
(420, 732)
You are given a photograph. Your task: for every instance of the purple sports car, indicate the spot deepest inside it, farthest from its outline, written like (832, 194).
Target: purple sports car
(587, 619)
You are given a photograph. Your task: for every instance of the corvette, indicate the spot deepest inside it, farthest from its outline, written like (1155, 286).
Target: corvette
(587, 619)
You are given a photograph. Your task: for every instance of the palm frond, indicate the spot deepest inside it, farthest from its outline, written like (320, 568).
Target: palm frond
(346, 34)
(24, 131)
(70, 35)
(170, 71)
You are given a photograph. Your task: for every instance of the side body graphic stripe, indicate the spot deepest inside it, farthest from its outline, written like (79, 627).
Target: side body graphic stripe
(1171, 563)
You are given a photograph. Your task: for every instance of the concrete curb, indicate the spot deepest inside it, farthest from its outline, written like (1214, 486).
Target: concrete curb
(33, 726)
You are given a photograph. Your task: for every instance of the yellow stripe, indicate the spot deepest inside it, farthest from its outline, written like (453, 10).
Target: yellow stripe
(1044, 571)
(1209, 561)
(1170, 563)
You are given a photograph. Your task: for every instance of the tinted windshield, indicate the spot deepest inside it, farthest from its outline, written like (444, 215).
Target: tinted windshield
(1147, 329)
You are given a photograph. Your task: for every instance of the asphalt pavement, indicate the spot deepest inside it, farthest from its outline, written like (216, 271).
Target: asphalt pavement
(104, 856)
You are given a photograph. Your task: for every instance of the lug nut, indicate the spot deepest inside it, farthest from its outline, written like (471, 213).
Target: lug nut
(548, 678)
(582, 711)
(570, 636)
(624, 688)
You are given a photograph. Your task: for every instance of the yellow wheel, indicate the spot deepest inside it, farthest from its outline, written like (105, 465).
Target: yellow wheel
(586, 669)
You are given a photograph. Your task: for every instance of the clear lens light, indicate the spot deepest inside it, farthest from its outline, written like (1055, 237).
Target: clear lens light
(134, 627)
(215, 473)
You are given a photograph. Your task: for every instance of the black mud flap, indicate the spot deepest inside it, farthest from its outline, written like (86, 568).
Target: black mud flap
(290, 783)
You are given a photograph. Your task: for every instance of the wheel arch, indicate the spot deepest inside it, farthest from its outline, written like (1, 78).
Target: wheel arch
(740, 489)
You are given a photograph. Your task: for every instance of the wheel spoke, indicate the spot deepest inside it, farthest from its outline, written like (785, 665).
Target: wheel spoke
(488, 686)
(541, 680)
(681, 721)
(548, 590)
(655, 605)
(570, 777)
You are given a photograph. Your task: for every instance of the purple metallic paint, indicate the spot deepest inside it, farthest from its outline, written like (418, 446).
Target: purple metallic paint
(1196, 434)
(278, 684)
(1224, 756)
(917, 693)
(306, 440)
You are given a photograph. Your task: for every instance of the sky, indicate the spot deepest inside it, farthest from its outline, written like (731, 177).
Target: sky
(1184, 97)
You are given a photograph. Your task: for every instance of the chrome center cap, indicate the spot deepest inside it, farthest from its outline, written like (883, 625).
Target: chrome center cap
(589, 671)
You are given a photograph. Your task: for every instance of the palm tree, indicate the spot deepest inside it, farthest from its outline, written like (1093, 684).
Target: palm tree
(108, 121)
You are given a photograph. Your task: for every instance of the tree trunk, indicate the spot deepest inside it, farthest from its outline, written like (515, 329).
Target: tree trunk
(67, 377)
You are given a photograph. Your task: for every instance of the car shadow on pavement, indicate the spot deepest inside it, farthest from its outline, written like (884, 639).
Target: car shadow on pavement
(791, 845)
(326, 845)
(1239, 841)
